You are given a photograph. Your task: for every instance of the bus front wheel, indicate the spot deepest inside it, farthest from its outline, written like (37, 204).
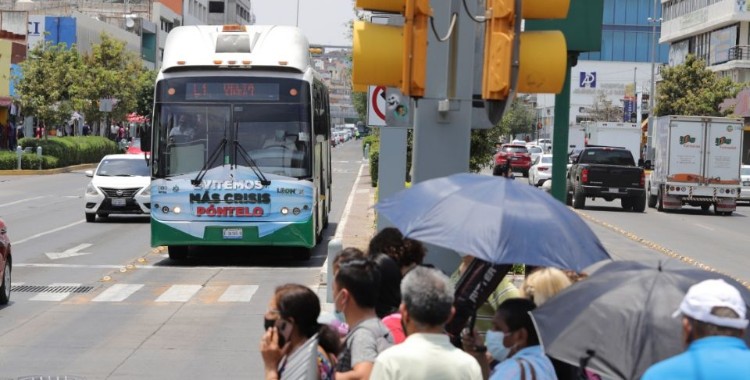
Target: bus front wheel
(177, 252)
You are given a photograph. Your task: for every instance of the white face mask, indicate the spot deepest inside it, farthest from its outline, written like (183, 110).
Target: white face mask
(495, 345)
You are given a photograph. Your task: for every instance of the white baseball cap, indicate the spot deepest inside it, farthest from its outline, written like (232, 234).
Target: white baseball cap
(702, 297)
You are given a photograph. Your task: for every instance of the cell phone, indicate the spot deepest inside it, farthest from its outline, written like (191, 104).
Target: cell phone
(285, 330)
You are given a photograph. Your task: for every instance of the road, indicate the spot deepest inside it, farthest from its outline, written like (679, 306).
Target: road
(95, 301)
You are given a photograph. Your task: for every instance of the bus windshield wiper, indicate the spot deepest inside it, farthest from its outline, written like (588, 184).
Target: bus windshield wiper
(214, 155)
(253, 166)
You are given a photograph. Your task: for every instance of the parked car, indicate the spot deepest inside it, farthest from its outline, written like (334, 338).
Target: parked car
(535, 151)
(518, 155)
(745, 189)
(134, 147)
(121, 184)
(541, 170)
(6, 264)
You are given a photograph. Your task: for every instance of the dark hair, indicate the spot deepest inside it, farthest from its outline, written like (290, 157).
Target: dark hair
(403, 250)
(301, 304)
(361, 278)
(515, 313)
(389, 297)
(347, 254)
(704, 329)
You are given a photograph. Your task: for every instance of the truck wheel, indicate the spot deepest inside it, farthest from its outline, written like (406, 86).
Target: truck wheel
(497, 171)
(177, 252)
(626, 203)
(660, 199)
(579, 199)
(639, 203)
(568, 195)
(651, 197)
(705, 207)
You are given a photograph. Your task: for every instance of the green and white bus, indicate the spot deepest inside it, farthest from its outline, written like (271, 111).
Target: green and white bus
(240, 152)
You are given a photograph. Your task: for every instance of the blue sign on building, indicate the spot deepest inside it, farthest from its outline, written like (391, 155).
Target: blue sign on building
(587, 80)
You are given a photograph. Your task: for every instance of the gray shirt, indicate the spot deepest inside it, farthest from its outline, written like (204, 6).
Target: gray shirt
(363, 344)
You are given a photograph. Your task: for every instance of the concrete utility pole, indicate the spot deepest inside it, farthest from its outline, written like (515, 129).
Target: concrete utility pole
(443, 119)
(652, 95)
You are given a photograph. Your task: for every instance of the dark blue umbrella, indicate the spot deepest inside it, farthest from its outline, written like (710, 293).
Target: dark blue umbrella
(494, 219)
(620, 318)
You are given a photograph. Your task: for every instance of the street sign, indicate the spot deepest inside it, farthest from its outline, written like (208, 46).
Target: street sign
(376, 106)
(398, 110)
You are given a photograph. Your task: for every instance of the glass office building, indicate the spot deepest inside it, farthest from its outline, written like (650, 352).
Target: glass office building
(627, 32)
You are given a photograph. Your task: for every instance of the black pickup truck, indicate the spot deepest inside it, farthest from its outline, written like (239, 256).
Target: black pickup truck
(608, 173)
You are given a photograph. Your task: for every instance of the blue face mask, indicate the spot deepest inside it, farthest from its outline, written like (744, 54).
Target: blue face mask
(495, 346)
(337, 313)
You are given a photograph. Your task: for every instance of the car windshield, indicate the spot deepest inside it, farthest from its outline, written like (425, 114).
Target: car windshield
(546, 159)
(745, 171)
(122, 168)
(535, 149)
(515, 149)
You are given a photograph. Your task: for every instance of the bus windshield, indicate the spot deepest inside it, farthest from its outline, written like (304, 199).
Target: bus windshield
(267, 118)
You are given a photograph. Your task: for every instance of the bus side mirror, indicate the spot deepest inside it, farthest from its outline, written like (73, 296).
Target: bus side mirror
(146, 139)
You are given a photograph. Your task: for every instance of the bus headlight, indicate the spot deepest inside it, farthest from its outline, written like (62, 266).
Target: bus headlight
(176, 209)
(284, 211)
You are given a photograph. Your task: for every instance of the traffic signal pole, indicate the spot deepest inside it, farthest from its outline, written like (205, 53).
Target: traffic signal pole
(560, 133)
(442, 124)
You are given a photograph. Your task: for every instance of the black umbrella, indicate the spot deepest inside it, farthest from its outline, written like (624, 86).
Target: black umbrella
(621, 316)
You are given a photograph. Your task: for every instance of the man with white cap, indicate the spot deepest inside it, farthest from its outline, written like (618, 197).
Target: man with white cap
(713, 324)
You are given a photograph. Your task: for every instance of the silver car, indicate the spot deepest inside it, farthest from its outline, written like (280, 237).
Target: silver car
(745, 178)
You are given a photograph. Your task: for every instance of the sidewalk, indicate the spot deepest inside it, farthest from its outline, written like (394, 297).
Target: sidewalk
(65, 169)
(356, 227)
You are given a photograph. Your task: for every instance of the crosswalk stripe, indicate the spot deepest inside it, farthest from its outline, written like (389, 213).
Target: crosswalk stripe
(179, 293)
(56, 296)
(238, 293)
(117, 292)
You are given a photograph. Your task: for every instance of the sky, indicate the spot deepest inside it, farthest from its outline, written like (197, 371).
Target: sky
(322, 21)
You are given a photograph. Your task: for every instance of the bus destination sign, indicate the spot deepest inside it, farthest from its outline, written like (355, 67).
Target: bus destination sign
(231, 91)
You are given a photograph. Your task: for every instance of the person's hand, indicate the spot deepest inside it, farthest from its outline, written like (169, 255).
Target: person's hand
(472, 343)
(270, 350)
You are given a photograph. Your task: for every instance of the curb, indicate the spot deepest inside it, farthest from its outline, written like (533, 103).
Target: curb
(66, 169)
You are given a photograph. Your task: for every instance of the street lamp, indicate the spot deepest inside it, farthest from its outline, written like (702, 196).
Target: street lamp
(652, 94)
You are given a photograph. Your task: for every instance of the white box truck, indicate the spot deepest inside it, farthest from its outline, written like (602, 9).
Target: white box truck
(624, 135)
(696, 162)
(576, 137)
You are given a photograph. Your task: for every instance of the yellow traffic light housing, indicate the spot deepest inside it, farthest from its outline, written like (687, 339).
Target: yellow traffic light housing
(386, 55)
(515, 61)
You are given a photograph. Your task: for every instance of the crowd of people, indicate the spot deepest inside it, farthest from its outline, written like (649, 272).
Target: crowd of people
(394, 309)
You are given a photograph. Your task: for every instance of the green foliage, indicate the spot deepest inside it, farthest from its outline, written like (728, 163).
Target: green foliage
(145, 93)
(519, 118)
(374, 159)
(692, 89)
(73, 150)
(359, 100)
(9, 161)
(57, 80)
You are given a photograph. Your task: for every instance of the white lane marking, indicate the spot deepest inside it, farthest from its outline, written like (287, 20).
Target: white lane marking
(239, 293)
(704, 227)
(48, 232)
(53, 296)
(21, 201)
(179, 293)
(12, 284)
(70, 252)
(117, 292)
(50, 265)
(348, 208)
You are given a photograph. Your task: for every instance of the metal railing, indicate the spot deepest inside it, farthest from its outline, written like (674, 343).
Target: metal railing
(739, 52)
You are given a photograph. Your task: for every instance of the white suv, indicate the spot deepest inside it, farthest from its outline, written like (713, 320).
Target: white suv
(121, 184)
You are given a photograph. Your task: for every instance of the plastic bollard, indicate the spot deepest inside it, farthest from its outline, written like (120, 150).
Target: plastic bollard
(39, 154)
(334, 247)
(19, 153)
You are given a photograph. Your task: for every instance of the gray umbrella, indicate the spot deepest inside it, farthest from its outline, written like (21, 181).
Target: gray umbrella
(621, 316)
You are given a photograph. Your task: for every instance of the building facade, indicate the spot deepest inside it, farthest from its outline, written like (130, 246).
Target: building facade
(621, 71)
(717, 31)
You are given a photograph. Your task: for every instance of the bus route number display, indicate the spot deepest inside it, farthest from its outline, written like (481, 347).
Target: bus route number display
(231, 91)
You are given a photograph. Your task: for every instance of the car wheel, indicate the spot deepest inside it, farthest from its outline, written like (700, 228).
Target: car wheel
(90, 218)
(639, 203)
(626, 203)
(178, 252)
(651, 197)
(525, 173)
(579, 199)
(6, 284)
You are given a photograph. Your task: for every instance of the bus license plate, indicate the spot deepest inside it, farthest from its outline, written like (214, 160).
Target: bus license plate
(233, 233)
(118, 201)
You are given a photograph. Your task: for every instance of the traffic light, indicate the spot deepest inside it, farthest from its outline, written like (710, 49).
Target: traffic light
(388, 55)
(515, 61)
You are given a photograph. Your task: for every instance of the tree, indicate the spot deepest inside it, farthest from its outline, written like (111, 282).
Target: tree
(603, 109)
(692, 89)
(48, 87)
(145, 93)
(359, 100)
(519, 118)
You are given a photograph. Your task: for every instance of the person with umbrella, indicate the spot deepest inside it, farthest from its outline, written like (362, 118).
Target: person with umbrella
(514, 343)
(713, 323)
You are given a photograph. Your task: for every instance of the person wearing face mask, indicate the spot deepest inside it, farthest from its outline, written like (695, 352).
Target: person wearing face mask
(356, 283)
(427, 353)
(294, 345)
(514, 343)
